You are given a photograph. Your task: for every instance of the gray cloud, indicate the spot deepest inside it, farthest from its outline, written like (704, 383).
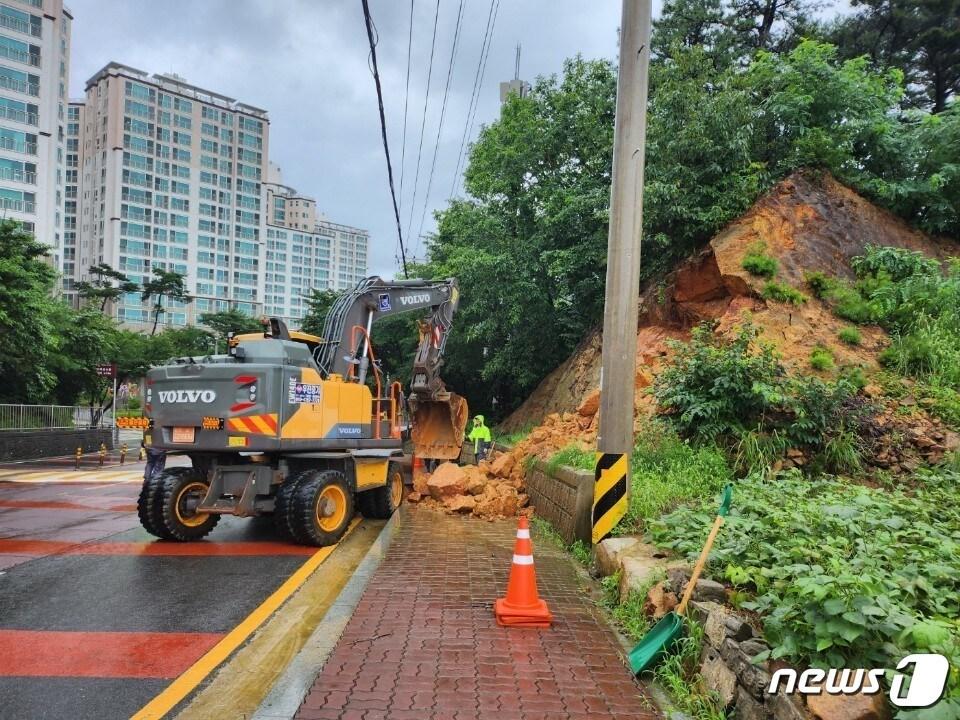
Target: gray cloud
(305, 61)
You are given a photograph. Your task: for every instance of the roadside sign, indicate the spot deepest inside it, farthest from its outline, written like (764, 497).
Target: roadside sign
(107, 370)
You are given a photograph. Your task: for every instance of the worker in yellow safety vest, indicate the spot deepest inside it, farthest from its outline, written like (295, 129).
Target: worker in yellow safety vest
(480, 435)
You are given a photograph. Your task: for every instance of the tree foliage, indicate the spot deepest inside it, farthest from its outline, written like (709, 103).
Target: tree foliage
(726, 121)
(165, 285)
(26, 328)
(921, 37)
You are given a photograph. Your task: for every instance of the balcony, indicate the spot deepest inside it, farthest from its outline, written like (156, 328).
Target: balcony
(22, 86)
(20, 116)
(24, 206)
(23, 176)
(22, 56)
(19, 25)
(27, 148)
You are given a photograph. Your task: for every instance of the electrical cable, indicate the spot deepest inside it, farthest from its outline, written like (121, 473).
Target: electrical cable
(423, 122)
(383, 126)
(443, 112)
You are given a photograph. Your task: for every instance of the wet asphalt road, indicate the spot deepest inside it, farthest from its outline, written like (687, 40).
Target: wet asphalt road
(97, 616)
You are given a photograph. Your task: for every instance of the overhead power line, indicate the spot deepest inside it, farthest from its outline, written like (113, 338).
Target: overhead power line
(475, 95)
(443, 112)
(423, 121)
(383, 126)
(406, 101)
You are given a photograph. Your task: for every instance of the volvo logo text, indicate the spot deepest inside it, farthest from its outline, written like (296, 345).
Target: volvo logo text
(187, 396)
(414, 299)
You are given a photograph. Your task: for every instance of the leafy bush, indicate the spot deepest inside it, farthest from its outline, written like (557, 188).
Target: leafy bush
(783, 293)
(821, 358)
(715, 386)
(843, 575)
(850, 335)
(666, 471)
(757, 262)
(736, 393)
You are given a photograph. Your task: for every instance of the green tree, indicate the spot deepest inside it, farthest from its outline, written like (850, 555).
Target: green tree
(528, 244)
(921, 37)
(108, 284)
(230, 321)
(319, 303)
(164, 285)
(26, 307)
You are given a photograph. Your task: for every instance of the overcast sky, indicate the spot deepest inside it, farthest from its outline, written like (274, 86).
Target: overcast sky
(305, 61)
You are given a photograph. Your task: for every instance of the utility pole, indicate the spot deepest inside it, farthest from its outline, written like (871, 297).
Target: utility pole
(619, 353)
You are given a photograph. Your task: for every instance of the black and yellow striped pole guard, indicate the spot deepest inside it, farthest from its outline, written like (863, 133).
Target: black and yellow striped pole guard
(609, 493)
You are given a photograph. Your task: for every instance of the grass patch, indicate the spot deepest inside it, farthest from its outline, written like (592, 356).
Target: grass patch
(679, 674)
(667, 471)
(850, 335)
(757, 262)
(572, 456)
(821, 358)
(779, 292)
(512, 438)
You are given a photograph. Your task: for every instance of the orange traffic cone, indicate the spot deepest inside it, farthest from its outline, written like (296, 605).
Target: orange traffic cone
(522, 607)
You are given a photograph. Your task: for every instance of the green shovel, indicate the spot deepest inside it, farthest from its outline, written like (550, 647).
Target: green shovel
(662, 635)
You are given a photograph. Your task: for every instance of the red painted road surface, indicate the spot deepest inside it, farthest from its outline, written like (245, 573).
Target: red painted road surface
(97, 616)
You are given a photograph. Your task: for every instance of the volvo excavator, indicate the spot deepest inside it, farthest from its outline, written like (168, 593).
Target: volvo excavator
(299, 426)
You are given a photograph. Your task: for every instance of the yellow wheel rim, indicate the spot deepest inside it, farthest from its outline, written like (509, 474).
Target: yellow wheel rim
(396, 489)
(331, 508)
(190, 517)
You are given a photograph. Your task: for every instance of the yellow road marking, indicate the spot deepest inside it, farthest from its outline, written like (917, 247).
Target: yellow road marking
(71, 476)
(195, 674)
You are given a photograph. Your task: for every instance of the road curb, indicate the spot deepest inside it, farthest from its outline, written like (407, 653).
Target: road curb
(287, 694)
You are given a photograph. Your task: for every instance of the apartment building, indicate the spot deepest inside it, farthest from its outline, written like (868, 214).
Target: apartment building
(34, 72)
(305, 250)
(171, 179)
(174, 176)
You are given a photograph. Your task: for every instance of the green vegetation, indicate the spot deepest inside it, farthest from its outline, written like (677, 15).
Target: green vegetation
(757, 262)
(726, 122)
(821, 358)
(850, 335)
(843, 575)
(512, 438)
(679, 674)
(667, 471)
(574, 455)
(736, 393)
(774, 290)
(917, 301)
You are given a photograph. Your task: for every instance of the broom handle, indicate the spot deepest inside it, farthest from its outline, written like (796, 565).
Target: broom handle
(698, 568)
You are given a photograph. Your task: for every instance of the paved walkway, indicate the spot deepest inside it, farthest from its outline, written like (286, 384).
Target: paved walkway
(423, 642)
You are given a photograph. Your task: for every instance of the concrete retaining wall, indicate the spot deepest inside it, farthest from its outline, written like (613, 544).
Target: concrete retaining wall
(564, 497)
(33, 444)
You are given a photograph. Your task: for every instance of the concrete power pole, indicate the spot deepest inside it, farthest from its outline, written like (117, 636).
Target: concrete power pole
(619, 356)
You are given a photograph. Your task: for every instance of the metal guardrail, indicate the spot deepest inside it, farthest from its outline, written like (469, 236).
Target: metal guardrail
(53, 417)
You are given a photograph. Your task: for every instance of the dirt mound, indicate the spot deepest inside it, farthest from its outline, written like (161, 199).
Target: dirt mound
(808, 222)
(495, 488)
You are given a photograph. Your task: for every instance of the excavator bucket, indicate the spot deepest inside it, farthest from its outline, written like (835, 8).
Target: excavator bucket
(438, 426)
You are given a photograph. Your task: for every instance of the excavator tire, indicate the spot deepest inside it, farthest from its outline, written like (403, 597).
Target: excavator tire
(382, 502)
(181, 489)
(148, 505)
(322, 508)
(283, 505)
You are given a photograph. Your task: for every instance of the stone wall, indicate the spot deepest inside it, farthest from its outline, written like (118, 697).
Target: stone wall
(33, 444)
(564, 497)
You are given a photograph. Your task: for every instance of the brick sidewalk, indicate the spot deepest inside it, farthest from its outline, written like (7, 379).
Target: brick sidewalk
(423, 642)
